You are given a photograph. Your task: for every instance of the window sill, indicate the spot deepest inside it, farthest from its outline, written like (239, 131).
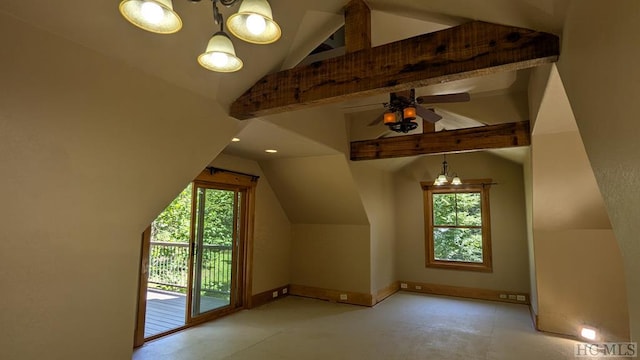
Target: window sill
(456, 265)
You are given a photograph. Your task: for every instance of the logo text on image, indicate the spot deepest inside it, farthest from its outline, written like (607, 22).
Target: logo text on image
(608, 349)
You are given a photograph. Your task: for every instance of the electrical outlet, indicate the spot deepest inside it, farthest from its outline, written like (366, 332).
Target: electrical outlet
(343, 296)
(512, 297)
(284, 291)
(521, 298)
(418, 287)
(403, 286)
(275, 294)
(503, 296)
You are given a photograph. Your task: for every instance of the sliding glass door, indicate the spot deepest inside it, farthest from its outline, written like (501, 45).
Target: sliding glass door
(194, 257)
(215, 260)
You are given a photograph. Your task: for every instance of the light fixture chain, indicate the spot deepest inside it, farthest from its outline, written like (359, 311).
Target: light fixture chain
(217, 16)
(228, 3)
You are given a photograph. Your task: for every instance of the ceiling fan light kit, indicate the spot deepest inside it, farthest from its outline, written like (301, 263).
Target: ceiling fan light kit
(402, 110)
(253, 23)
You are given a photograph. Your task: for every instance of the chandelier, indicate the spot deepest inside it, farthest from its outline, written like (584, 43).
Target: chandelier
(443, 177)
(252, 23)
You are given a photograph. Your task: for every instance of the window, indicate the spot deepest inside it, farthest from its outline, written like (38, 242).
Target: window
(457, 225)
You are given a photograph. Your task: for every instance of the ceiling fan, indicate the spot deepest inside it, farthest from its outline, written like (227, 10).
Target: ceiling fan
(403, 107)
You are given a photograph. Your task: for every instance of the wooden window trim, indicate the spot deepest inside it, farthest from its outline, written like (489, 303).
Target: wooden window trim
(479, 185)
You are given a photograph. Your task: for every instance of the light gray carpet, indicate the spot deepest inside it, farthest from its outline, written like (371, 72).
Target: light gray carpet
(404, 326)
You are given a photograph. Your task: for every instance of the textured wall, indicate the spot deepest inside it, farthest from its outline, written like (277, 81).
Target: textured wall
(90, 152)
(599, 67)
(508, 223)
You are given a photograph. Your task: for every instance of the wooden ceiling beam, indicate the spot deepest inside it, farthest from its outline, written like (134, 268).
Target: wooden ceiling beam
(472, 49)
(357, 26)
(470, 139)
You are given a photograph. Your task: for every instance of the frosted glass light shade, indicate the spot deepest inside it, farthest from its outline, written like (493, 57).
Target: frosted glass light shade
(156, 16)
(254, 23)
(456, 181)
(220, 55)
(442, 179)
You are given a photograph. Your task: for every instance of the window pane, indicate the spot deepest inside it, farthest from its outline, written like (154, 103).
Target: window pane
(444, 209)
(463, 245)
(469, 209)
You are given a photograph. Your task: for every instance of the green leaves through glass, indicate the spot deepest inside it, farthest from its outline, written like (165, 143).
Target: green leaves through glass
(457, 226)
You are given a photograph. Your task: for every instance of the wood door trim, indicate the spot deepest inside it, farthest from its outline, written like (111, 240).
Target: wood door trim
(142, 288)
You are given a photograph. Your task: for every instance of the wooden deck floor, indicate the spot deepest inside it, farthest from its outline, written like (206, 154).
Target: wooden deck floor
(166, 311)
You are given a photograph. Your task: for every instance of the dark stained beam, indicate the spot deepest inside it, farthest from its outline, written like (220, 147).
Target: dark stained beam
(470, 139)
(472, 49)
(357, 26)
(428, 126)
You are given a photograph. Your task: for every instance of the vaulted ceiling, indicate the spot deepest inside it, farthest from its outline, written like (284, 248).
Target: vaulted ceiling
(497, 98)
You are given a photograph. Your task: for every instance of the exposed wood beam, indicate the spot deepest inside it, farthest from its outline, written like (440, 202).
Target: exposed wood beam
(428, 127)
(472, 49)
(357, 26)
(470, 139)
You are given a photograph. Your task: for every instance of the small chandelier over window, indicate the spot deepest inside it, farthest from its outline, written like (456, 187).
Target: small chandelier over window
(253, 23)
(443, 177)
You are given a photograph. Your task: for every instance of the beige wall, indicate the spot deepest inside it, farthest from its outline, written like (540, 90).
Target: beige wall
(331, 256)
(571, 228)
(528, 193)
(580, 283)
(330, 245)
(90, 152)
(568, 217)
(599, 67)
(508, 222)
(376, 190)
(574, 245)
(272, 230)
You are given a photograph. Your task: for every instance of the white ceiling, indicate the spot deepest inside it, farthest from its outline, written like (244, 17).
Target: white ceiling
(305, 23)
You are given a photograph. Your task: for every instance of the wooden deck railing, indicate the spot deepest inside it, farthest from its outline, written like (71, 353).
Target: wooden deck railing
(169, 266)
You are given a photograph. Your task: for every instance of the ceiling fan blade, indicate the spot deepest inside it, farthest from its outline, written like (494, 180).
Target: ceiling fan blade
(377, 121)
(362, 106)
(441, 99)
(427, 114)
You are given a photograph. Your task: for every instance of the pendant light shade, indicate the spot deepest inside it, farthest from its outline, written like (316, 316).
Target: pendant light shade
(156, 16)
(254, 23)
(220, 55)
(443, 177)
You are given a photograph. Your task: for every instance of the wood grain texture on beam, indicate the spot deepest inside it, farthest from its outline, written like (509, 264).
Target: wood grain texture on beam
(470, 139)
(357, 26)
(472, 49)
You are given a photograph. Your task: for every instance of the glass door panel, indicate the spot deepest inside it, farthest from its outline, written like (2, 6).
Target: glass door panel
(214, 242)
(167, 267)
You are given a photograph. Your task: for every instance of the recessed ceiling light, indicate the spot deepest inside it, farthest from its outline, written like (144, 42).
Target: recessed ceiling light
(271, 151)
(235, 139)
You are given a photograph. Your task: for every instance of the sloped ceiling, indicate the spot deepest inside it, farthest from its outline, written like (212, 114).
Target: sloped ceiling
(310, 172)
(317, 190)
(305, 23)
(562, 173)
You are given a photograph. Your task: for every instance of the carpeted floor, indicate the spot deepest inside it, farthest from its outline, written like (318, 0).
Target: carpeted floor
(404, 326)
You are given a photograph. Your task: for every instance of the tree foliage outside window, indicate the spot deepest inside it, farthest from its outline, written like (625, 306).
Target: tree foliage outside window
(457, 226)
(168, 264)
(457, 229)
